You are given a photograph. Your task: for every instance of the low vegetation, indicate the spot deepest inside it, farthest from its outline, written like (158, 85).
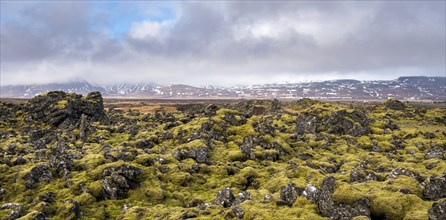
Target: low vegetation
(62, 156)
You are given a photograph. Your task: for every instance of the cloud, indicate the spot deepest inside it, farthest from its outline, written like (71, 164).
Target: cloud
(145, 29)
(220, 43)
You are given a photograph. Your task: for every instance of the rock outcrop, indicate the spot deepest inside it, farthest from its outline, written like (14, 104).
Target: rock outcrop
(438, 211)
(394, 104)
(436, 188)
(117, 181)
(342, 122)
(56, 108)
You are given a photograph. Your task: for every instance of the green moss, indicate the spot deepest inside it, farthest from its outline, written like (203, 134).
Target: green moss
(404, 183)
(62, 104)
(168, 195)
(235, 155)
(376, 130)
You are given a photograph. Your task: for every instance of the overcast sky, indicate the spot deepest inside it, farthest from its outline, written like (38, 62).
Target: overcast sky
(220, 43)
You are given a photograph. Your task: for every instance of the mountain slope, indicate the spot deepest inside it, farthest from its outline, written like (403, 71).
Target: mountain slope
(408, 88)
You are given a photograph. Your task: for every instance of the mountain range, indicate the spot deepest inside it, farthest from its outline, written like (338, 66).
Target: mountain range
(407, 88)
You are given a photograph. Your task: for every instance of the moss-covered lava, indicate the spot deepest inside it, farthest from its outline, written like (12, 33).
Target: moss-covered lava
(63, 157)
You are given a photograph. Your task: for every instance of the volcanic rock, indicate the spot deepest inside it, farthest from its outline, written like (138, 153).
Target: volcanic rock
(394, 104)
(117, 181)
(225, 197)
(289, 194)
(340, 122)
(58, 107)
(38, 174)
(199, 154)
(436, 188)
(438, 211)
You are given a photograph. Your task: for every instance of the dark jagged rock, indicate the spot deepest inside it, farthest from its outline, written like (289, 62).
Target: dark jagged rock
(247, 146)
(242, 196)
(360, 175)
(306, 123)
(394, 104)
(195, 203)
(75, 208)
(289, 194)
(210, 110)
(344, 123)
(117, 181)
(438, 211)
(238, 212)
(19, 161)
(199, 154)
(401, 171)
(58, 107)
(225, 197)
(47, 197)
(84, 128)
(232, 120)
(304, 156)
(341, 122)
(311, 193)
(435, 152)
(276, 106)
(145, 143)
(61, 159)
(265, 127)
(15, 208)
(326, 206)
(208, 133)
(359, 208)
(38, 174)
(324, 202)
(436, 188)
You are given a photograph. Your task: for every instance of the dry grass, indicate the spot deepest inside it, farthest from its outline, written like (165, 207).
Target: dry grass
(143, 107)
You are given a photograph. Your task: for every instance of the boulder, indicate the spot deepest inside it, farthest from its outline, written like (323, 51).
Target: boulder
(311, 193)
(210, 110)
(199, 154)
(401, 171)
(38, 174)
(438, 211)
(341, 122)
(307, 123)
(238, 212)
(394, 104)
(436, 188)
(15, 208)
(289, 194)
(225, 197)
(57, 107)
(117, 181)
(75, 208)
(232, 120)
(327, 207)
(242, 196)
(362, 175)
(435, 152)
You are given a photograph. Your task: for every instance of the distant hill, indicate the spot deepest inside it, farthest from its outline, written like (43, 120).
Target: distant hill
(408, 88)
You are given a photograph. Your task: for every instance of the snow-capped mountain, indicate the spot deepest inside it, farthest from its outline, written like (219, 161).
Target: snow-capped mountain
(408, 88)
(28, 91)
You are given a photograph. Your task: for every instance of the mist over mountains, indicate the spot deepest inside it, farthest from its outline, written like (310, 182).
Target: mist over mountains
(408, 88)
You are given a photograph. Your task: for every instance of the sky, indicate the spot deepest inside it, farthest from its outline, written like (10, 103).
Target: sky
(221, 43)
